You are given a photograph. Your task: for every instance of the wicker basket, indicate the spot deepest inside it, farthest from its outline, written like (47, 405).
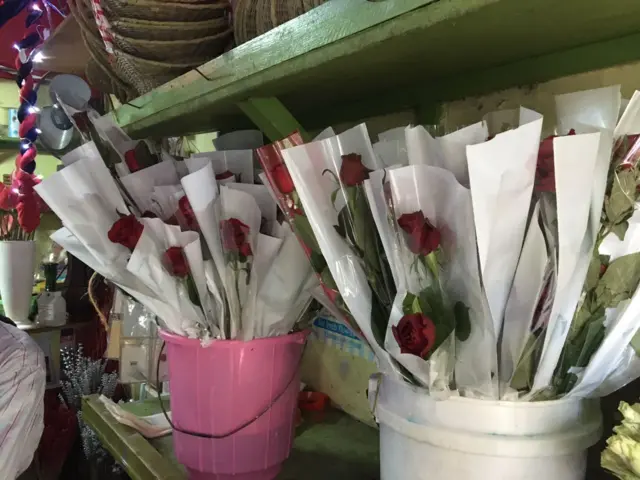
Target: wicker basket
(151, 30)
(164, 11)
(186, 51)
(103, 79)
(255, 17)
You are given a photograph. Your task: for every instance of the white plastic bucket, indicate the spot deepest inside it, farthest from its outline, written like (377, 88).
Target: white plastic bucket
(469, 439)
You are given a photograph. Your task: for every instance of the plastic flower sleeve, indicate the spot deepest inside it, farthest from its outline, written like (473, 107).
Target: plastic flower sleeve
(441, 282)
(392, 153)
(575, 159)
(285, 192)
(501, 176)
(524, 298)
(315, 169)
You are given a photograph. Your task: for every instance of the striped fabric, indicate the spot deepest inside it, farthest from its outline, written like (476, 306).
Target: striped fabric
(22, 385)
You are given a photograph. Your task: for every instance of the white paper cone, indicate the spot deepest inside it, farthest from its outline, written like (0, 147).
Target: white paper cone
(140, 185)
(501, 175)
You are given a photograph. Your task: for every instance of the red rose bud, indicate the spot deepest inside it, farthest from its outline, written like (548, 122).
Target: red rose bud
(245, 250)
(352, 171)
(185, 209)
(175, 262)
(422, 237)
(282, 179)
(224, 175)
(131, 160)
(28, 213)
(545, 180)
(415, 334)
(235, 234)
(126, 231)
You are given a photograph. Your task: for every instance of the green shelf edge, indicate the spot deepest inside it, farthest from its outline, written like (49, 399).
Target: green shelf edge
(323, 65)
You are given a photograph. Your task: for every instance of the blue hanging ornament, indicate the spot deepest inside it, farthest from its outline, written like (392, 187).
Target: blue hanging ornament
(30, 167)
(34, 16)
(29, 41)
(32, 135)
(11, 8)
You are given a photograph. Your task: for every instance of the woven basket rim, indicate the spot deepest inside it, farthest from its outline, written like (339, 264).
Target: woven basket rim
(176, 43)
(158, 64)
(138, 22)
(219, 5)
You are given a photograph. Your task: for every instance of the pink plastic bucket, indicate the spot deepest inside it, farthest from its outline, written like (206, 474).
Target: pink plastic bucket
(215, 390)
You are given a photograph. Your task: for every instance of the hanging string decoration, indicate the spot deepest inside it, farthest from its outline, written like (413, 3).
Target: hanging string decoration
(20, 196)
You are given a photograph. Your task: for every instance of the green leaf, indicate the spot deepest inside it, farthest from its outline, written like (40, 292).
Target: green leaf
(620, 203)
(192, 291)
(635, 342)
(593, 274)
(433, 305)
(522, 377)
(318, 262)
(303, 228)
(463, 322)
(619, 281)
(620, 229)
(334, 194)
(407, 303)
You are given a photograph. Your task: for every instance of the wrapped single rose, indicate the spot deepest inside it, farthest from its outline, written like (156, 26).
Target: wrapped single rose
(126, 231)
(415, 334)
(283, 187)
(329, 177)
(438, 278)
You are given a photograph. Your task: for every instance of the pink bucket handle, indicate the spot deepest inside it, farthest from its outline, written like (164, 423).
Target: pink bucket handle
(302, 340)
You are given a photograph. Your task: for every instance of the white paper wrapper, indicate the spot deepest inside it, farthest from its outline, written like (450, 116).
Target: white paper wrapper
(629, 123)
(282, 288)
(523, 297)
(140, 185)
(264, 199)
(146, 264)
(202, 191)
(237, 280)
(87, 200)
(392, 153)
(238, 162)
(501, 175)
(85, 150)
(447, 204)
(575, 159)
(306, 164)
(448, 152)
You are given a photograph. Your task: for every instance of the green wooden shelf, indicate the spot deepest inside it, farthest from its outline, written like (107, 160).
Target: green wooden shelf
(350, 59)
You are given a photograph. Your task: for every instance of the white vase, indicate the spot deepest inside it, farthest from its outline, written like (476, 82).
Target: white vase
(17, 265)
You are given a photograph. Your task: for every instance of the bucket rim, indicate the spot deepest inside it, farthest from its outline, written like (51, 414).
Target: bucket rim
(175, 339)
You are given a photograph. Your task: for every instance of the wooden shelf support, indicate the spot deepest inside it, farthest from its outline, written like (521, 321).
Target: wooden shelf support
(272, 118)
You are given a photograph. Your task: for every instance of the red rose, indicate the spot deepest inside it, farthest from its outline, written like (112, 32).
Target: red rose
(28, 213)
(245, 250)
(131, 160)
(224, 175)
(235, 236)
(282, 179)
(545, 172)
(422, 237)
(352, 171)
(175, 262)
(415, 334)
(185, 209)
(126, 231)
(8, 198)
